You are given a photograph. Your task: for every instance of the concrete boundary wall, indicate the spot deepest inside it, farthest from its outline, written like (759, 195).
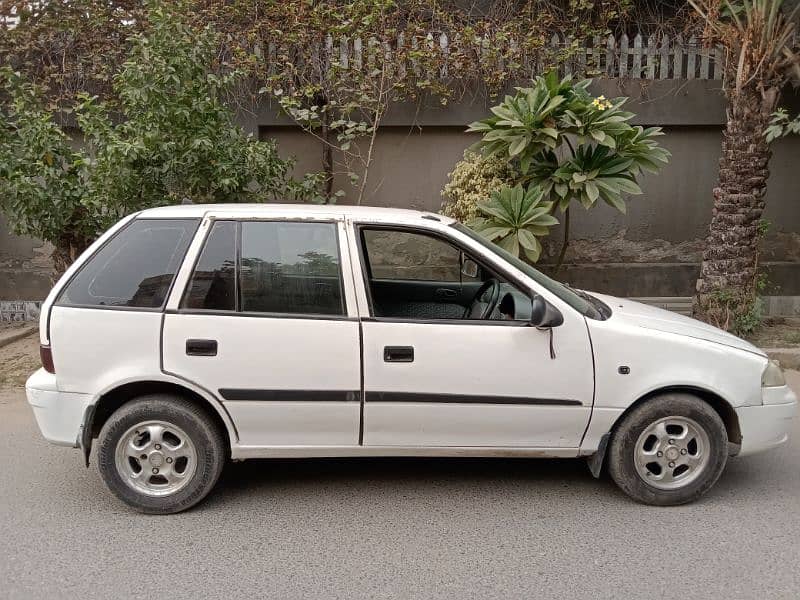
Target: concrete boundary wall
(652, 251)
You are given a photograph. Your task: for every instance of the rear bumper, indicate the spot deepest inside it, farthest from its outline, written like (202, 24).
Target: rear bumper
(58, 414)
(767, 426)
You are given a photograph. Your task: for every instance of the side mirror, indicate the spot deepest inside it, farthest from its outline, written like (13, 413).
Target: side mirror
(544, 315)
(469, 268)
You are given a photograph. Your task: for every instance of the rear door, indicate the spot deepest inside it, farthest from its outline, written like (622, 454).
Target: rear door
(267, 323)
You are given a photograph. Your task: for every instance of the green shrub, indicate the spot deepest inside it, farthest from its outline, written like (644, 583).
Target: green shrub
(556, 136)
(168, 138)
(514, 219)
(473, 180)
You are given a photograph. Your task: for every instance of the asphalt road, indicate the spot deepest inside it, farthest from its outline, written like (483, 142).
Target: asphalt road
(389, 528)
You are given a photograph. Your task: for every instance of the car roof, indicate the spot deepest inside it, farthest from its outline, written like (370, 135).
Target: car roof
(361, 213)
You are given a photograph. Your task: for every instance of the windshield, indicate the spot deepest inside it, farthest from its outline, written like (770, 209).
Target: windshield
(567, 294)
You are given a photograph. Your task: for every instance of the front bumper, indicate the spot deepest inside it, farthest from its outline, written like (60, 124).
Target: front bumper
(767, 426)
(58, 414)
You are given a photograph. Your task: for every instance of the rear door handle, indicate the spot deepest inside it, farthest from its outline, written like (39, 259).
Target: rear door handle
(398, 354)
(201, 347)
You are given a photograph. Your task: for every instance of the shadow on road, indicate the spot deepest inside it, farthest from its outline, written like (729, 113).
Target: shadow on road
(366, 477)
(270, 473)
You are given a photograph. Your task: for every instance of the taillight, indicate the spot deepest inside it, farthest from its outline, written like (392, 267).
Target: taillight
(46, 355)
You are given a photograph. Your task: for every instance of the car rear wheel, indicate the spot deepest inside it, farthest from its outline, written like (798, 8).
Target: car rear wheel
(160, 454)
(669, 450)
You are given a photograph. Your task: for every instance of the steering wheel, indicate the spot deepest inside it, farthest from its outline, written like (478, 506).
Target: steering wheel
(489, 295)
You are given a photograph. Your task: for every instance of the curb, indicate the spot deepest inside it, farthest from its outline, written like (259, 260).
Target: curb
(789, 358)
(10, 338)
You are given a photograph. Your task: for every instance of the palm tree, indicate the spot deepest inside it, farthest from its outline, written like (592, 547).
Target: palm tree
(761, 57)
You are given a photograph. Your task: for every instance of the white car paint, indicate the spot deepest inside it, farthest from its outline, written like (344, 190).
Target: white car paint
(96, 350)
(486, 360)
(275, 354)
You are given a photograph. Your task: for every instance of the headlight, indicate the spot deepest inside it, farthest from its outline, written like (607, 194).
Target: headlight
(772, 375)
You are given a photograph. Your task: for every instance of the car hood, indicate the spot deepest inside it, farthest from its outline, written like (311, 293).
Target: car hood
(658, 319)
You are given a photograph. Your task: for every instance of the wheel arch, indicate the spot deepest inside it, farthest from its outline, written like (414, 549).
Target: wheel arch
(112, 399)
(721, 406)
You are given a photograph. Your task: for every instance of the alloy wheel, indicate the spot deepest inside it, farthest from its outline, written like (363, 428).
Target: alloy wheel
(671, 453)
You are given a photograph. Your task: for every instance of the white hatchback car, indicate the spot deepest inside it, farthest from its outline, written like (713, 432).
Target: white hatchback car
(188, 335)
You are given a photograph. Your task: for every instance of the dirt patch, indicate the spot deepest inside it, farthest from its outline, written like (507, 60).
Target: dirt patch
(777, 332)
(9, 326)
(18, 361)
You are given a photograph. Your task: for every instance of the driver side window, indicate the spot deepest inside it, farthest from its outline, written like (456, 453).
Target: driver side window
(420, 276)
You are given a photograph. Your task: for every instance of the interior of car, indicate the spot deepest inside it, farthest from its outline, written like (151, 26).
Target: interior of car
(417, 275)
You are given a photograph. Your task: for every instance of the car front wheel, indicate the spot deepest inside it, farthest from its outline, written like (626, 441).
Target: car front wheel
(669, 450)
(160, 454)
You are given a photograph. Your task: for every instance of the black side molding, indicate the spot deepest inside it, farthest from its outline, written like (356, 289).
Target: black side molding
(465, 399)
(244, 394)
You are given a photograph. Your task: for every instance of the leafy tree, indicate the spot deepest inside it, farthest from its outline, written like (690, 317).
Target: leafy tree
(761, 58)
(168, 139)
(42, 177)
(68, 47)
(571, 145)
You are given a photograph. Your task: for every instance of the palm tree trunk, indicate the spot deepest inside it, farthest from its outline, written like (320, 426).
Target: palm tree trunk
(726, 288)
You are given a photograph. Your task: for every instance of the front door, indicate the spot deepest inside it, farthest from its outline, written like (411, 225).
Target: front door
(435, 378)
(263, 324)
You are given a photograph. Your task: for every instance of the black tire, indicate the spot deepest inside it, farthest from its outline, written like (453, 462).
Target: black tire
(201, 430)
(622, 449)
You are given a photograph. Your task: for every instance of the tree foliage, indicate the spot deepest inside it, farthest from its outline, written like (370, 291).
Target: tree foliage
(290, 52)
(167, 138)
(515, 219)
(394, 54)
(42, 177)
(759, 37)
(66, 48)
(570, 145)
(782, 125)
(473, 179)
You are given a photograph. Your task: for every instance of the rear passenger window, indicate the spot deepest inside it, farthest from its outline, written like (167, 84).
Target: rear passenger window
(284, 267)
(135, 268)
(290, 267)
(213, 283)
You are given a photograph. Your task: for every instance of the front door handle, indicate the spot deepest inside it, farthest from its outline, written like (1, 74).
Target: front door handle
(201, 347)
(398, 354)
(445, 293)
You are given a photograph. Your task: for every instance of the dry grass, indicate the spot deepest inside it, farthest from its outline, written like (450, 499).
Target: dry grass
(18, 361)
(777, 332)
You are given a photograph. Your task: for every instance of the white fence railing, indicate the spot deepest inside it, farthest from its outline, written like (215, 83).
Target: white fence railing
(652, 57)
(642, 57)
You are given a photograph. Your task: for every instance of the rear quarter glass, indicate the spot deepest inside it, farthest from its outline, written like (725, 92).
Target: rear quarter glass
(135, 268)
